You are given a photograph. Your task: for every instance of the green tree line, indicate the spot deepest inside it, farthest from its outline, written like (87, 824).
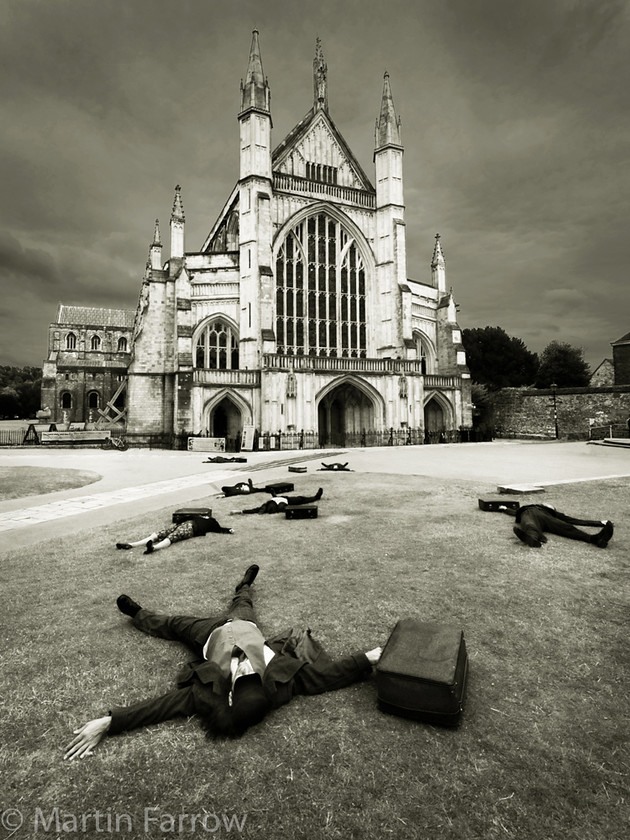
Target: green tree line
(20, 391)
(497, 360)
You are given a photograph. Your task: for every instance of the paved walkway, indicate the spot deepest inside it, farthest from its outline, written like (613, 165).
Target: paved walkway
(133, 482)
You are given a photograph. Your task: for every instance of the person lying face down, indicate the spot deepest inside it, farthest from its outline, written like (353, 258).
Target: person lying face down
(532, 521)
(279, 503)
(238, 677)
(198, 526)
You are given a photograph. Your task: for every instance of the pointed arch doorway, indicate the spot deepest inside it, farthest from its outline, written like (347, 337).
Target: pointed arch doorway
(435, 420)
(343, 414)
(224, 421)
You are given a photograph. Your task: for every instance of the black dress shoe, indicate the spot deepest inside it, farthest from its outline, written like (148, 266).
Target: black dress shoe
(124, 546)
(602, 539)
(127, 606)
(249, 577)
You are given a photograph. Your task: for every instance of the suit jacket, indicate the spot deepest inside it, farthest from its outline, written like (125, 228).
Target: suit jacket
(300, 666)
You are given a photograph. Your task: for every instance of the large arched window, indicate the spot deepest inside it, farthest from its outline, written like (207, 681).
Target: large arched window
(93, 399)
(95, 342)
(71, 341)
(424, 352)
(320, 291)
(122, 344)
(217, 347)
(66, 400)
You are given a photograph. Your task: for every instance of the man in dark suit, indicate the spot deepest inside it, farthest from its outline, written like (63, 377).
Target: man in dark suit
(532, 521)
(238, 677)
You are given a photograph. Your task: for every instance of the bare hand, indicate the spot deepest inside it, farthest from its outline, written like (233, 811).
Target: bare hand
(87, 738)
(374, 655)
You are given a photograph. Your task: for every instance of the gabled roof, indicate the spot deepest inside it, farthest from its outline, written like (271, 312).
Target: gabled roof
(625, 339)
(281, 152)
(94, 316)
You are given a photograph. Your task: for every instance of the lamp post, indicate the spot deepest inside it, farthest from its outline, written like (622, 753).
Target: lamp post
(555, 409)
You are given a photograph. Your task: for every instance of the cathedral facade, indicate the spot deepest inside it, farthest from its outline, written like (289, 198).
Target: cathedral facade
(297, 313)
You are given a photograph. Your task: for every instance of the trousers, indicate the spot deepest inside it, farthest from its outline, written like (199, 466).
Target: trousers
(191, 630)
(536, 519)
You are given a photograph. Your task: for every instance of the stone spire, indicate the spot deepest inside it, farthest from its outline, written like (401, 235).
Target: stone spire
(178, 208)
(387, 124)
(320, 80)
(255, 91)
(438, 266)
(155, 251)
(177, 225)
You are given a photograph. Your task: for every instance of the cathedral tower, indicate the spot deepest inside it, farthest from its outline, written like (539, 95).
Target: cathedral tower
(255, 229)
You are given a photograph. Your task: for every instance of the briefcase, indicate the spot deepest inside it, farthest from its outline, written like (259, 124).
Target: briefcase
(182, 514)
(279, 488)
(422, 672)
(494, 505)
(302, 512)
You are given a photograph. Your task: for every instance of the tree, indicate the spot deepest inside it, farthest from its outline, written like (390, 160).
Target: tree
(498, 360)
(20, 391)
(9, 402)
(563, 365)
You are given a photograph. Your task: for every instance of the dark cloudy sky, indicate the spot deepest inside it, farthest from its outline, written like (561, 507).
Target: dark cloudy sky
(515, 125)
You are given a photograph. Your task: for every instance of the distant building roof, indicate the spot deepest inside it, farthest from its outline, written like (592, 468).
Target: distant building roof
(602, 363)
(95, 316)
(623, 340)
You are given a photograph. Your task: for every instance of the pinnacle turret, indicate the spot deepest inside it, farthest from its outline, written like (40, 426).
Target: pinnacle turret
(438, 255)
(438, 266)
(155, 251)
(387, 124)
(255, 91)
(320, 78)
(178, 208)
(177, 226)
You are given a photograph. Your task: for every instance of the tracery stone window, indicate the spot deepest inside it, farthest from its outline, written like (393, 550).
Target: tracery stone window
(71, 341)
(217, 347)
(95, 343)
(122, 344)
(320, 291)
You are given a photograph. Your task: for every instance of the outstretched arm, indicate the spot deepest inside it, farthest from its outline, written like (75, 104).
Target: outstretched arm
(88, 737)
(178, 702)
(314, 679)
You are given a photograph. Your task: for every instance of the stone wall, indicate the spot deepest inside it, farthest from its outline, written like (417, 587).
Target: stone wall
(523, 412)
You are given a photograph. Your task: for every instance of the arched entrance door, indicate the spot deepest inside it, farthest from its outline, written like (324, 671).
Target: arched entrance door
(225, 422)
(343, 414)
(434, 422)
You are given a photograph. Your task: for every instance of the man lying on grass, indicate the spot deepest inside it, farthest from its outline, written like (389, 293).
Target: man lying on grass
(278, 504)
(533, 520)
(238, 678)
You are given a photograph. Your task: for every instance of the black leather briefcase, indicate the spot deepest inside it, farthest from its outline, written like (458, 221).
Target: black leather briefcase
(422, 672)
(497, 504)
(279, 488)
(183, 514)
(301, 512)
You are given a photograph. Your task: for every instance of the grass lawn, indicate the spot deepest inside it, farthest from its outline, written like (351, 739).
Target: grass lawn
(18, 482)
(542, 750)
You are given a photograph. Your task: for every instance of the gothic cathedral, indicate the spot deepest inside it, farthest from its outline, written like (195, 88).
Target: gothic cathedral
(296, 315)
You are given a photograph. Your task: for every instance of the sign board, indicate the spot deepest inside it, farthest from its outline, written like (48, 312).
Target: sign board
(198, 444)
(73, 437)
(247, 438)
